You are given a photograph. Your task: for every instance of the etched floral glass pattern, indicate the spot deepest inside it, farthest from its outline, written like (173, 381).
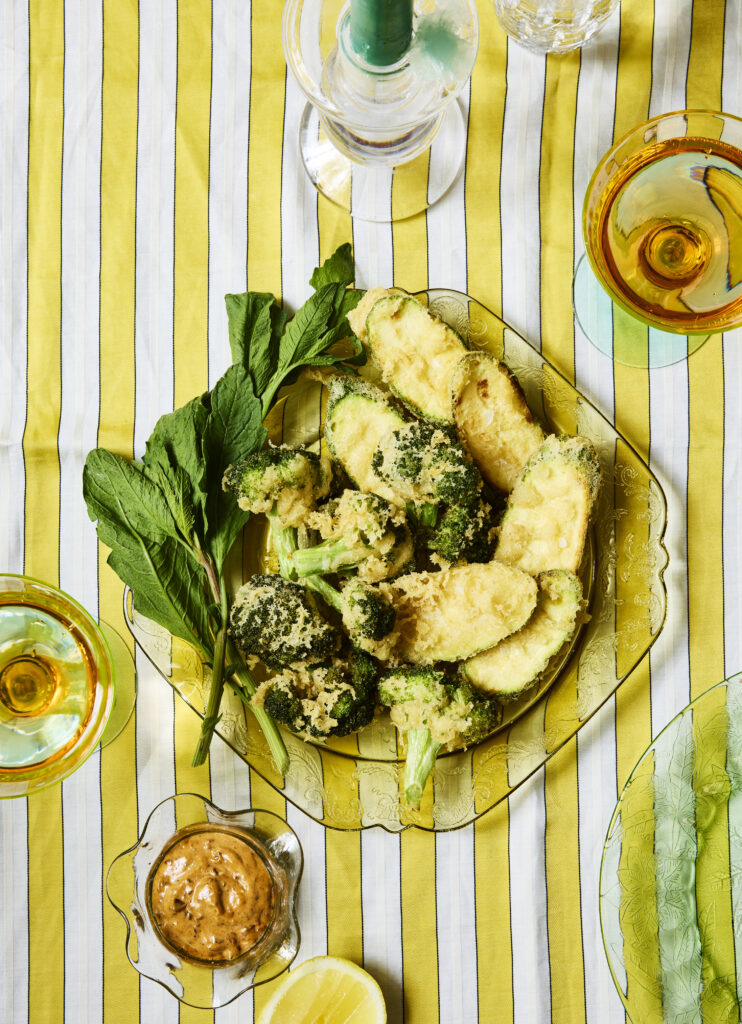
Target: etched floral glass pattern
(671, 876)
(355, 782)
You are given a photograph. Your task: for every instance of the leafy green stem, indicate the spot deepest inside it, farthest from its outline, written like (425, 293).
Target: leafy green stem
(211, 715)
(215, 584)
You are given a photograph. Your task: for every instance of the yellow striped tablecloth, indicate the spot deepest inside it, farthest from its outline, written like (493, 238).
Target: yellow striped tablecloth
(148, 165)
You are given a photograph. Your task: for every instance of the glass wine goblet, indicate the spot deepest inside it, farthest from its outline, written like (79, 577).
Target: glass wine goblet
(382, 134)
(67, 684)
(662, 224)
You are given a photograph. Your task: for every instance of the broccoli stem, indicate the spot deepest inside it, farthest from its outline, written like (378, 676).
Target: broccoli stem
(328, 557)
(427, 514)
(285, 543)
(245, 688)
(422, 751)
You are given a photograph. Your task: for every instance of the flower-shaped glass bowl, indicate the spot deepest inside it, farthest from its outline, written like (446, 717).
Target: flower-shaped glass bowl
(671, 874)
(198, 983)
(356, 782)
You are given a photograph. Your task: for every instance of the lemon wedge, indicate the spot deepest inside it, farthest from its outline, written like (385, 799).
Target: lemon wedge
(326, 990)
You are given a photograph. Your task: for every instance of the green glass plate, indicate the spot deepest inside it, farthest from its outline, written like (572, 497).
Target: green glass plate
(355, 782)
(671, 873)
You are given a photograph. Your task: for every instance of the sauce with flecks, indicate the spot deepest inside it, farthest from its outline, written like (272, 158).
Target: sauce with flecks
(211, 894)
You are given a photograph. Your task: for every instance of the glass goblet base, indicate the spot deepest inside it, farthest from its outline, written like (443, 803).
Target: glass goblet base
(377, 189)
(124, 681)
(620, 336)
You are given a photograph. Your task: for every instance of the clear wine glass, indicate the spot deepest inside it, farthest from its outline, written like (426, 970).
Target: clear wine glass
(382, 134)
(662, 224)
(67, 684)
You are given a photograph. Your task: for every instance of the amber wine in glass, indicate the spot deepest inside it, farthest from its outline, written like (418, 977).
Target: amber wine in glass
(57, 674)
(663, 233)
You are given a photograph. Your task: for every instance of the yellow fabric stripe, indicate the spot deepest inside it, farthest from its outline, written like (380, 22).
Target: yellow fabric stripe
(634, 74)
(563, 887)
(45, 850)
(557, 237)
(419, 938)
(706, 413)
(116, 426)
(267, 100)
(638, 908)
(705, 506)
(410, 239)
(335, 228)
(484, 276)
(633, 85)
(494, 948)
(265, 796)
(706, 57)
(46, 33)
(192, 200)
(713, 896)
(190, 323)
(344, 916)
(45, 907)
(483, 162)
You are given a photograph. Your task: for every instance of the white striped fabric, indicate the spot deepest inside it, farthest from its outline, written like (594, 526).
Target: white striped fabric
(247, 176)
(528, 921)
(382, 931)
(519, 184)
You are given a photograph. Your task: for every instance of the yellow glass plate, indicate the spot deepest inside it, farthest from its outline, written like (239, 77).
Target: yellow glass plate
(355, 782)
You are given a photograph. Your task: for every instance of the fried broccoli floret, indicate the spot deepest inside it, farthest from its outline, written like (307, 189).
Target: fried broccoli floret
(462, 533)
(434, 713)
(360, 531)
(425, 465)
(334, 697)
(368, 615)
(276, 620)
(284, 483)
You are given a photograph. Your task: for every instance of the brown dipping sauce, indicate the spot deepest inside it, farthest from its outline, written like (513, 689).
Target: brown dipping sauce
(211, 894)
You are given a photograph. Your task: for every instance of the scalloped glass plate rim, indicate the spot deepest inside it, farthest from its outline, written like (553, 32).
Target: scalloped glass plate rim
(432, 296)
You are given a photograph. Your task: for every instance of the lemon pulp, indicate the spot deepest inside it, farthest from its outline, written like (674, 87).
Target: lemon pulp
(326, 990)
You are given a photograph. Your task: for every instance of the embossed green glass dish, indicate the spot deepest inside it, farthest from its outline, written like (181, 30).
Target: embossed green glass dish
(671, 873)
(355, 782)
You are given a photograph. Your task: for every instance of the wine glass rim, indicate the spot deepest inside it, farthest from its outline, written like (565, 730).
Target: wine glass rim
(657, 119)
(46, 585)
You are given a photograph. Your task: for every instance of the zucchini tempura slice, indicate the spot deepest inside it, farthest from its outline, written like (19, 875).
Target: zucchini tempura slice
(453, 614)
(517, 663)
(492, 418)
(357, 417)
(548, 511)
(415, 353)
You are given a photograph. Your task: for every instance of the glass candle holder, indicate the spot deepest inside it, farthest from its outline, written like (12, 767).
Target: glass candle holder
(381, 79)
(553, 26)
(201, 982)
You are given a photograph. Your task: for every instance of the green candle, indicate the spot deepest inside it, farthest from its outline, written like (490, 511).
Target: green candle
(381, 30)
